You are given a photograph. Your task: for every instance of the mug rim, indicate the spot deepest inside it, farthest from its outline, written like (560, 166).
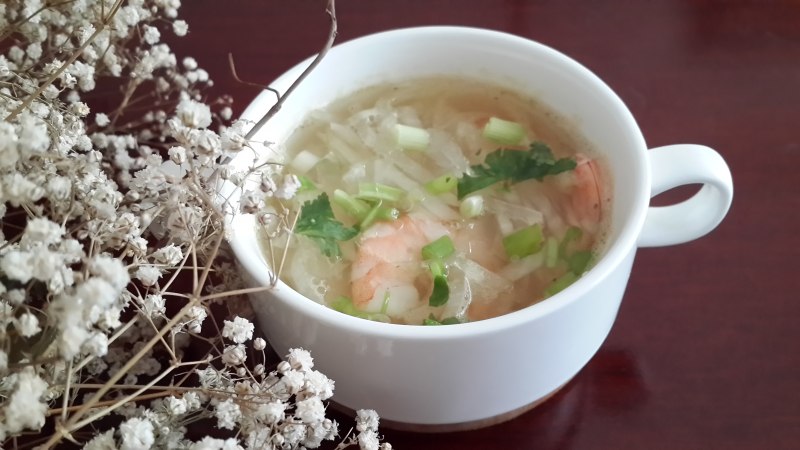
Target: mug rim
(615, 251)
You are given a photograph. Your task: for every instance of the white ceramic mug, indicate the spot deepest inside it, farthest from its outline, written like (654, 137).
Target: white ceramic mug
(478, 373)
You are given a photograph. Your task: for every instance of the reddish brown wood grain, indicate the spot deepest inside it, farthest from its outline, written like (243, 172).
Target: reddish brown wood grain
(705, 353)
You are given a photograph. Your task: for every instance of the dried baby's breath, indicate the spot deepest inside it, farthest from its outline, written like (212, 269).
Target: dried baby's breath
(112, 253)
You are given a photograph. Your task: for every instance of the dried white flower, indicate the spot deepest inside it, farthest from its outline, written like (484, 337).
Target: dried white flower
(234, 355)
(368, 440)
(189, 63)
(101, 205)
(176, 406)
(259, 344)
(136, 434)
(196, 316)
(24, 408)
(239, 330)
(227, 414)
(27, 325)
(101, 119)
(148, 275)
(258, 370)
(170, 255)
(103, 441)
(180, 27)
(289, 186)
(193, 114)
(300, 359)
(96, 345)
(177, 154)
(367, 419)
(151, 34)
(310, 410)
(209, 443)
(153, 306)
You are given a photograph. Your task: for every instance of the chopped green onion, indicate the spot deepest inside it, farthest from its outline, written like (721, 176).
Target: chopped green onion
(572, 234)
(450, 321)
(377, 191)
(471, 207)
(550, 252)
(437, 267)
(523, 242)
(351, 205)
(560, 284)
(447, 321)
(305, 184)
(346, 306)
(579, 261)
(439, 249)
(441, 291)
(412, 138)
(445, 183)
(379, 213)
(385, 305)
(434, 253)
(503, 132)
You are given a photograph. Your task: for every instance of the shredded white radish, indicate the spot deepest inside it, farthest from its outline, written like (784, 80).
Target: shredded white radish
(460, 295)
(343, 150)
(514, 211)
(304, 161)
(485, 284)
(522, 267)
(447, 153)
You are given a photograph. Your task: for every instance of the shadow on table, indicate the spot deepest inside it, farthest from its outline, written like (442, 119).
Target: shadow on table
(612, 385)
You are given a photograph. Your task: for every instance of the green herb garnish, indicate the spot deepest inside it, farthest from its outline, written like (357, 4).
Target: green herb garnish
(578, 262)
(439, 249)
(523, 242)
(513, 166)
(345, 305)
(503, 132)
(441, 290)
(305, 184)
(560, 284)
(431, 320)
(318, 223)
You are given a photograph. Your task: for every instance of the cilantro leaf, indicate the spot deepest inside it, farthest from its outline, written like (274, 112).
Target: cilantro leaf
(317, 222)
(513, 166)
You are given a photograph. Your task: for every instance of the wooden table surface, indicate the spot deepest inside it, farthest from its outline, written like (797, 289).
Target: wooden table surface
(705, 353)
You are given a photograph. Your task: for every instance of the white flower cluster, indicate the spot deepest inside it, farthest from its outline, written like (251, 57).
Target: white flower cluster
(104, 213)
(283, 409)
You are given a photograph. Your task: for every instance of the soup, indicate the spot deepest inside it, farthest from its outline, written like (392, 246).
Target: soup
(440, 201)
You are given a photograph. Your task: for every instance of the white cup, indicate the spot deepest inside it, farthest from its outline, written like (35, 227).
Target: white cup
(478, 373)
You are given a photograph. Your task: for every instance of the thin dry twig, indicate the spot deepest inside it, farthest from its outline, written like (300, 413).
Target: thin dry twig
(331, 10)
(265, 87)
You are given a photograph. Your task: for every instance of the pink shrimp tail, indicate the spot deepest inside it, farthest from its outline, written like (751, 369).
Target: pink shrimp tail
(587, 200)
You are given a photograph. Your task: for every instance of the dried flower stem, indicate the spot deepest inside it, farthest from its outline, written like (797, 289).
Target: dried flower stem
(331, 10)
(71, 423)
(133, 396)
(102, 26)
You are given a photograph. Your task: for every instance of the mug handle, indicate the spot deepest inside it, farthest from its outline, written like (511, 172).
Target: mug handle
(676, 165)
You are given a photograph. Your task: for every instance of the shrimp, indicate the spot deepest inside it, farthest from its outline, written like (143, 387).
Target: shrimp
(388, 267)
(587, 193)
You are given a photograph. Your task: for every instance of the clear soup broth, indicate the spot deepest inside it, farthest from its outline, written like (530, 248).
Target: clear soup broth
(440, 201)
